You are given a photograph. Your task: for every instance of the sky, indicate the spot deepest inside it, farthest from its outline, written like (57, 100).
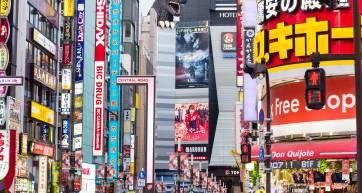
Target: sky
(145, 6)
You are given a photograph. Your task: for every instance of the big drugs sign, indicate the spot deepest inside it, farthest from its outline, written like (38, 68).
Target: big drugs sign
(294, 29)
(99, 68)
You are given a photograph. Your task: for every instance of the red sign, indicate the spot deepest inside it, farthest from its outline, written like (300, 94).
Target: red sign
(99, 69)
(296, 30)
(42, 149)
(239, 44)
(4, 30)
(288, 103)
(9, 177)
(67, 54)
(331, 149)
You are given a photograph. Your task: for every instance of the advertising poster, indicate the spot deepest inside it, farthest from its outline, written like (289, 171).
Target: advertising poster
(14, 114)
(79, 42)
(192, 54)
(192, 122)
(196, 176)
(65, 161)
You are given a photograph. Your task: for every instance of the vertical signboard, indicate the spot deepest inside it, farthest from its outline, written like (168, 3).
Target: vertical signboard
(65, 103)
(239, 44)
(88, 178)
(66, 78)
(65, 133)
(99, 69)
(79, 54)
(113, 148)
(68, 8)
(192, 54)
(2, 111)
(114, 89)
(5, 154)
(43, 174)
(13, 116)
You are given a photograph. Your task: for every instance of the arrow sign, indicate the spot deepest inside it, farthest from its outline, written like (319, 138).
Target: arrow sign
(261, 117)
(11, 80)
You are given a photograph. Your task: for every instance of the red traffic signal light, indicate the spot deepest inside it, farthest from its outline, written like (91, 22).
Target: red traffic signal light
(315, 80)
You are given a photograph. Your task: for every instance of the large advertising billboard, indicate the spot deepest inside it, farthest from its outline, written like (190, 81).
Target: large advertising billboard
(192, 128)
(192, 55)
(99, 77)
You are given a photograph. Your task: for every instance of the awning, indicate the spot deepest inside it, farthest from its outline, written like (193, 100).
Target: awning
(308, 150)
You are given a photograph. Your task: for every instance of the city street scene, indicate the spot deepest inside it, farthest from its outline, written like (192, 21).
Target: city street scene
(180, 96)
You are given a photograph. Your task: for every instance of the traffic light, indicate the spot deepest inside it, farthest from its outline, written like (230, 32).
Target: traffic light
(315, 92)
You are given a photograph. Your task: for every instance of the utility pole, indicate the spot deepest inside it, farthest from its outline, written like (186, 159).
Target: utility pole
(358, 82)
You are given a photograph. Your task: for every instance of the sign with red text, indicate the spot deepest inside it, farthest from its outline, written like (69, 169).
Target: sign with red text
(4, 155)
(42, 149)
(99, 77)
(288, 105)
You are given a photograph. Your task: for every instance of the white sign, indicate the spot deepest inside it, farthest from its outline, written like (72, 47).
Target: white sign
(77, 143)
(66, 79)
(78, 88)
(4, 155)
(141, 183)
(2, 111)
(43, 174)
(39, 38)
(88, 178)
(65, 103)
(11, 80)
(78, 129)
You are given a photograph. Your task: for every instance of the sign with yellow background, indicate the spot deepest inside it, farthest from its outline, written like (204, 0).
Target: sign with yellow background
(42, 113)
(5, 7)
(68, 8)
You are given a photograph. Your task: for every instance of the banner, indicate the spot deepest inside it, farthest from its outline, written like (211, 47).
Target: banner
(65, 104)
(3, 115)
(5, 154)
(99, 77)
(79, 41)
(13, 121)
(192, 54)
(184, 161)
(113, 147)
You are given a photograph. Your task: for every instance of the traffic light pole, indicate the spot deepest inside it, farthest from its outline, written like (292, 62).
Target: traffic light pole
(358, 82)
(268, 141)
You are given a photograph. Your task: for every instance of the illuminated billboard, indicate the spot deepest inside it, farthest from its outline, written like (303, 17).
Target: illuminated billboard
(192, 55)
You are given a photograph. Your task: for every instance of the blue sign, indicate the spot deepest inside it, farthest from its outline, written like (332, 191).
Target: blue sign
(65, 134)
(229, 55)
(114, 64)
(261, 154)
(113, 147)
(261, 117)
(79, 50)
(141, 175)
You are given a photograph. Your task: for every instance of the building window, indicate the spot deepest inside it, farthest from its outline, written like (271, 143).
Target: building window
(27, 89)
(36, 93)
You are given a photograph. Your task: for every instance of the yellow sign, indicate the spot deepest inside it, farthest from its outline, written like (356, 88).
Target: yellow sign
(260, 191)
(5, 7)
(133, 114)
(78, 102)
(42, 113)
(68, 8)
(302, 38)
